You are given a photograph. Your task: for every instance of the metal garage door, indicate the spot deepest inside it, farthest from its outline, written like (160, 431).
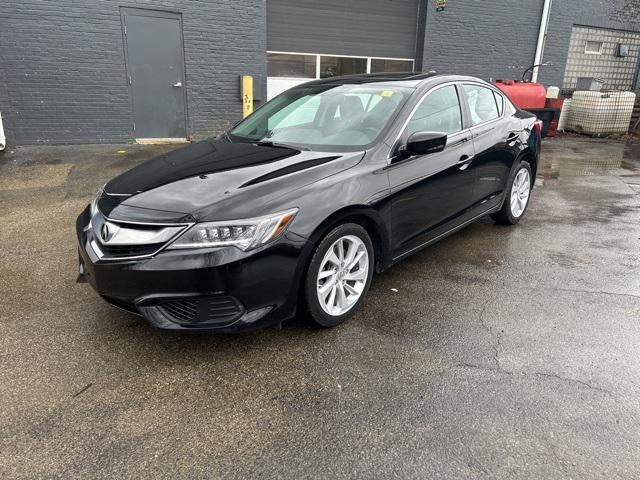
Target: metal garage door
(376, 28)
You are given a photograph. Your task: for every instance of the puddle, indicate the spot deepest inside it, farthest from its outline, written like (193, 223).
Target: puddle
(579, 156)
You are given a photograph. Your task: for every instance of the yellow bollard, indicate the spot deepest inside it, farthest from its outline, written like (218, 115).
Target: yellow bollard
(247, 95)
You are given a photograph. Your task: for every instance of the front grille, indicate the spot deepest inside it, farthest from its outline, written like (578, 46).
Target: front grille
(116, 251)
(114, 239)
(216, 310)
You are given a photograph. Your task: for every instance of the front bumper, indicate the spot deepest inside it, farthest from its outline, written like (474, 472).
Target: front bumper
(222, 289)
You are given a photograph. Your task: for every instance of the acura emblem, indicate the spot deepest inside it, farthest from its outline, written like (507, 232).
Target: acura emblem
(107, 232)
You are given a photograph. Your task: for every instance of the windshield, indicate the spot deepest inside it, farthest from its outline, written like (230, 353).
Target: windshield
(324, 117)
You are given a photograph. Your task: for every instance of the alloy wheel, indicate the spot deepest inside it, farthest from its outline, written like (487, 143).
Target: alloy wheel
(520, 191)
(342, 275)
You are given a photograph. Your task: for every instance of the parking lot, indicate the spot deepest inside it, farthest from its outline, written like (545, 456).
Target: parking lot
(498, 352)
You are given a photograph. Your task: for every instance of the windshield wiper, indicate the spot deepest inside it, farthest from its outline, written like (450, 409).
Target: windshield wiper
(269, 143)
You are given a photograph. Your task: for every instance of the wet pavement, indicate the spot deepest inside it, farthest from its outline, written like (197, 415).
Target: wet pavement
(496, 353)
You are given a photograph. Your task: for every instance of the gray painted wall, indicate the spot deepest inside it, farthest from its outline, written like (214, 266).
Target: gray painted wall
(63, 67)
(619, 14)
(483, 38)
(497, 38)
(381, 28)
(63, 78)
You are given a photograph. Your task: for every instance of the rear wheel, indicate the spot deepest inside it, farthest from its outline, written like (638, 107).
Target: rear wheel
(517, 198)
(339, 275)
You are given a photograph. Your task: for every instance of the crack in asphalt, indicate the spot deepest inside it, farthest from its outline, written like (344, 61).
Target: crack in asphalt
(539, 374)
(498, 335)
(498, 342)
(574, 380)
(82, 390)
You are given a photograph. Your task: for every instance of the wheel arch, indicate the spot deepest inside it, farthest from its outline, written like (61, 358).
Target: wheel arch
(532, 159)
(367, 217)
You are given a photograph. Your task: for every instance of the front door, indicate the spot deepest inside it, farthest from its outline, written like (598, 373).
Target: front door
(155, 69)
(431, 193)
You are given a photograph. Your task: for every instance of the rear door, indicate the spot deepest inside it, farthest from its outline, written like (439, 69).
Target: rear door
(496, 138)
(430, 193)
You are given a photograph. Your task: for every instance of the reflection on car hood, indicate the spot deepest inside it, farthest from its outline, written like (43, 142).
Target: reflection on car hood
(204, 157)
(215, 179)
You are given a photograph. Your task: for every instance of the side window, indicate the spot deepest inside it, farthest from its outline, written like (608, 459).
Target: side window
(482, 103)
(438, 112)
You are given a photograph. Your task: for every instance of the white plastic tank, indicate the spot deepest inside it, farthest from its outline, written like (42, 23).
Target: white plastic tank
(600, 113)
(553, 92)
(564, 115)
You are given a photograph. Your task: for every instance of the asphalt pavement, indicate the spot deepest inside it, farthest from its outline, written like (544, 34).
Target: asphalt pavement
(499, 352)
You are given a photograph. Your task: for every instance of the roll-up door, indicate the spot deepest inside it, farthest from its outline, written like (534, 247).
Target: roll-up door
(370, 28)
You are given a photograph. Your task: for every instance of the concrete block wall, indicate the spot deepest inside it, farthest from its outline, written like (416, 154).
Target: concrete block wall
(497, 38)
(64, 75)
(614, 14)
(618, 73)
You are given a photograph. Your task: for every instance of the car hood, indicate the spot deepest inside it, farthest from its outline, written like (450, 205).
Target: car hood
(217, 180)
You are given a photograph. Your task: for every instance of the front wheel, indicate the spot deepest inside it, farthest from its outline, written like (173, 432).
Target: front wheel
(339, 275)
(516, 200)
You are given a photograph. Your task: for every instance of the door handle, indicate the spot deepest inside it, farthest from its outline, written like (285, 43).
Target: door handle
(460, 141)
(464, 161)
(512, 137)
(177, 84)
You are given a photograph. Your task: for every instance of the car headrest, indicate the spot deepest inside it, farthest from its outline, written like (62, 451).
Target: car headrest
(351, 106)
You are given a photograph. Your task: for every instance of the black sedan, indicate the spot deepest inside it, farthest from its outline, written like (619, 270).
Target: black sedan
(294, 208)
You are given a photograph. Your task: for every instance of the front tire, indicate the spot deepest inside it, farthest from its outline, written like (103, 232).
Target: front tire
(517, 197)
(339, 275)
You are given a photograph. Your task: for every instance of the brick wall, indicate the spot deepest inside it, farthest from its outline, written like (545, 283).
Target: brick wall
(497, 38)
(63, 68)
(483, 38)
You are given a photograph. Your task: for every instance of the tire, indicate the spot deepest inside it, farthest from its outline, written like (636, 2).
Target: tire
(348, 293)
(511, 214)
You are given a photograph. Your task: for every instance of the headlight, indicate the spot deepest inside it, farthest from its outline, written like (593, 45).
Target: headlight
(93, 208)
(244, 234)
(94, 202)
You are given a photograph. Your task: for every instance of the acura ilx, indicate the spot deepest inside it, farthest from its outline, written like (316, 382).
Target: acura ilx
(296, 207)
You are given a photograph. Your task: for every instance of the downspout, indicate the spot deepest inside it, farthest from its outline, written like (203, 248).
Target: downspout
(421, 27)
(3, 140)
(542, 37)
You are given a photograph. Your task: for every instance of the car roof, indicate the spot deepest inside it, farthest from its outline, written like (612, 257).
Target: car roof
(404, 79)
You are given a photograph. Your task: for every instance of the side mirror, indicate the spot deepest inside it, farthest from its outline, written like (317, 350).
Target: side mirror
(423, 143)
